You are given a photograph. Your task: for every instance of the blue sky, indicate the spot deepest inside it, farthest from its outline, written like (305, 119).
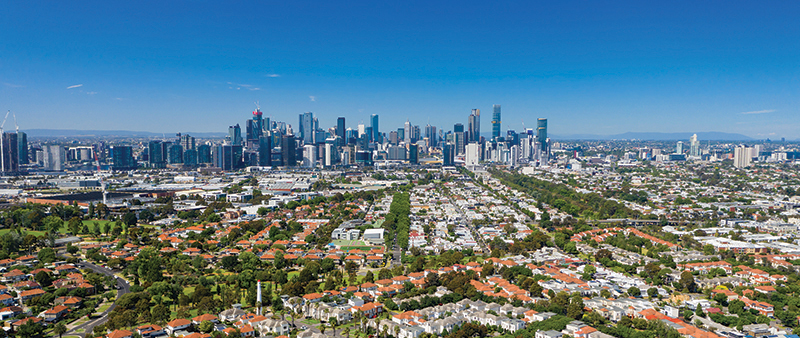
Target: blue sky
(599, 67)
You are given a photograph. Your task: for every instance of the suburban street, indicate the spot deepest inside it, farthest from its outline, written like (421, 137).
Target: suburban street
(124, 288)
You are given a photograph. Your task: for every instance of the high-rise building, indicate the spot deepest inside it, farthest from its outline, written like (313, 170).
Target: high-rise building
(9, 158)
(473, 154)
(190, 157)
(694, 146)
(459, 138)
(408, 132)
(288, 151)
(679, 147)
(53, 157)
(265, 151)
(448, 155)
(204, 154)
(474, 126)
(495, 121)
(254, 128)
(235, 135)
(308, 127)
(401, 135)
(413, 153)
(229, 157)
(187, 142)
(22, 142)
(309, 156)
(742, 157)
(175, 154)
(156, 154)
(376, 133)
(430, 133)
(340, 130)
(122, 158)
(541, 134)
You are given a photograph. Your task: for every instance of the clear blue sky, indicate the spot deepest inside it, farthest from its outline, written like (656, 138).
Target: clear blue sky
(600, 67)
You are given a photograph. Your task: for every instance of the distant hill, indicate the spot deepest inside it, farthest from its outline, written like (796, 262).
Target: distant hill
(702, 136)
(108, 133)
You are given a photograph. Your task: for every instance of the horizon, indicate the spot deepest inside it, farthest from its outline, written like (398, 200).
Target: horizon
(587, 68)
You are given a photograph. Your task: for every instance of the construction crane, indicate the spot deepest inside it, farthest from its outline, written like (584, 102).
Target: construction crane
(2, 151)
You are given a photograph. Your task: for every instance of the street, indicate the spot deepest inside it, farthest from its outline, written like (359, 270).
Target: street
(124, 288)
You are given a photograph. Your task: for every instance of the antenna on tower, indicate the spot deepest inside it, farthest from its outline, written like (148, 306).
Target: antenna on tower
(15, 122)
(257, 106)
(523, 124)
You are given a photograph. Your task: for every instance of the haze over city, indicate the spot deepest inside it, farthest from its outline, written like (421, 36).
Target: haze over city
(591, 68)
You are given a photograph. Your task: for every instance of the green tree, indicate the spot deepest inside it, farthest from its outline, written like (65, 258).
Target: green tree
(206, 326)
(60, 329)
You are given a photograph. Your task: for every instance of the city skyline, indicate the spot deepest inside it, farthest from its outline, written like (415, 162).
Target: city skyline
(589, 69)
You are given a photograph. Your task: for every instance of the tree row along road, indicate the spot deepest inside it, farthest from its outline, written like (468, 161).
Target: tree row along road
(124, 288)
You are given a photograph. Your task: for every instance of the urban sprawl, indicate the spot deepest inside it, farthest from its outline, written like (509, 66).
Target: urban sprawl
(294, 230)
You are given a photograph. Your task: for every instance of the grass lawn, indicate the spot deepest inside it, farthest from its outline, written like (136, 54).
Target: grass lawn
(71, 337)
(188, 290)
(310, 321)
(377, 224)
(363, 248)
(104, 307)
(89, 224)
(31, 232)
(80, 331)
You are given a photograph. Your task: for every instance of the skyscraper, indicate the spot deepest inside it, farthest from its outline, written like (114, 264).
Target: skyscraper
(448, 155)
(541, 133)
(9, 158)
(474, 126)
(340, 130)
(408, 132)
(741, 157)
(413, 153)
(265, 151)
(376, 133)
(53, 157)
(235, 135)
(156, 154)
(22, 141)
(254, 128)
(204, 153)
(288, 151)
(496, 121)
(122, 158)
(430, 133)
(459, 138)
(307, 127)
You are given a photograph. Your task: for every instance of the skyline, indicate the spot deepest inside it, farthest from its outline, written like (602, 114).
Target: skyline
(587, 68)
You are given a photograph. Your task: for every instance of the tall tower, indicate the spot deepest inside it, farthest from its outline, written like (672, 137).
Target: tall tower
(376, 133)
(496, 121)
(235, 134)
(254, 128)
(340, 129)
(474, 126)
(541, 133)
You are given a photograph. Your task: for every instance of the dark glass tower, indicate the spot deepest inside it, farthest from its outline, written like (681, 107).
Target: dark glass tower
(288, 151)
(496, 121)
(376, 134)
(541, 133)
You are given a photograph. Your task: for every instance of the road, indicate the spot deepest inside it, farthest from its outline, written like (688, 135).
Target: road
(124, 288)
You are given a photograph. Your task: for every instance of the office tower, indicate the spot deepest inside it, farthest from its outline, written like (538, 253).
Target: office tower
(495, 121)
(53, 157)
(401, 135)
(308, 126)
(9, 158)
(309, 156)
(430, 133)
(459, 138)
(156, 154)
(288, 151)
(235, 135)
(541, 134)
(376, 133)
(265, 151)
(415, 134)
(408, 132)
(190, 157)
(393, 137)
(368, 134)
(329, 149)
(473, 154)
(254, 128)
(175, 154)
(187, 142)
(679, 147)
(122, 158)
(741, 157)
(340, 130)
(351, 136)
(361, 130)
(22, 142)
(229, 157)
(413, 153)
(448, 155)
(396, 153)
(694, 146)
(474, 126)
(204, 154)
(512, 137)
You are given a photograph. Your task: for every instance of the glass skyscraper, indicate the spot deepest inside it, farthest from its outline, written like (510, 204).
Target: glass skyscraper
(541, 133)
(376, 134)
(496, 121)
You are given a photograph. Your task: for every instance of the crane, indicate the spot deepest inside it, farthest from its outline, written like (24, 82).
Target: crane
(2, 151)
